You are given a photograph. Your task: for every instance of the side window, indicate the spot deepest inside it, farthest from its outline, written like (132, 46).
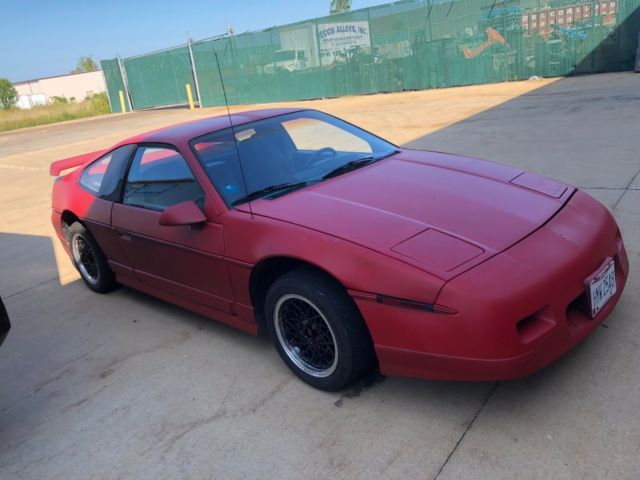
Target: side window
(158, 178)
(104, 176)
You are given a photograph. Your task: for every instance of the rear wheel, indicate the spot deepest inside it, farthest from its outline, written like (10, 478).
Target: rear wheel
(318, 331)
(89, 260)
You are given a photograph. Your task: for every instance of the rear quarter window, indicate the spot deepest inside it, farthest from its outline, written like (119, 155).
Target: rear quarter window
(103, 177)
(91, 178)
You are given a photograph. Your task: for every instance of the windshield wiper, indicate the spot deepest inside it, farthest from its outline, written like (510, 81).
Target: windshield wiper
(357, 163)
(271, 189)
(284, 188)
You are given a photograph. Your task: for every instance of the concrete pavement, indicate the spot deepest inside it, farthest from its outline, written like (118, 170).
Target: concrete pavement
(578, 418)
(126, 386)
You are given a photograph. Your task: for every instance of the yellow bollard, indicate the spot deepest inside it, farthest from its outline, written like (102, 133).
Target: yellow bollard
(123, 106)
(190, 97)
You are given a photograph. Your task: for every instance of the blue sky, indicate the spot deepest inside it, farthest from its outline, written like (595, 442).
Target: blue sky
(47, 37)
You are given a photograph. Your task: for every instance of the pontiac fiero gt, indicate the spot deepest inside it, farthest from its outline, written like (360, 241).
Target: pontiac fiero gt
(349, 251)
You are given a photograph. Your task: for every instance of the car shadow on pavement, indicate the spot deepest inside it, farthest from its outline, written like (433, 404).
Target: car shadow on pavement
(25, 261)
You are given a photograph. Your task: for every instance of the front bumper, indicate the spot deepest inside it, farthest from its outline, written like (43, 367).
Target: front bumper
(517, 312)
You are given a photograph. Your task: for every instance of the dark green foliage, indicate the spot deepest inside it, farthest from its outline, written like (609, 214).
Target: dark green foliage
(339, 6)
(86, 64)
(8, 94)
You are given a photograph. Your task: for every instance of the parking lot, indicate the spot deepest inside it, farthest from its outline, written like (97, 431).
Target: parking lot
(126, 386)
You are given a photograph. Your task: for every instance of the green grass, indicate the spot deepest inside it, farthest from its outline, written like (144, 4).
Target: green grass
(53, 113)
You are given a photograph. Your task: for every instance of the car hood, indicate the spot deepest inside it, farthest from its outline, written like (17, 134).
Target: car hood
(442, 213)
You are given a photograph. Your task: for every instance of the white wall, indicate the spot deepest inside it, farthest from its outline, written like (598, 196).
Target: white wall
(42, 90)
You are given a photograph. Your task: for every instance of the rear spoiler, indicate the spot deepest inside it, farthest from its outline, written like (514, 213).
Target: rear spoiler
(72, 162)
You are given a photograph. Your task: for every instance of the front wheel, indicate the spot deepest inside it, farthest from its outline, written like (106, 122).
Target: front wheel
(89, 259)
(318, 331)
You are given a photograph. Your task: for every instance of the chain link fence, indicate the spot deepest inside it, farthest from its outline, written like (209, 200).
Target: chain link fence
(407, 45)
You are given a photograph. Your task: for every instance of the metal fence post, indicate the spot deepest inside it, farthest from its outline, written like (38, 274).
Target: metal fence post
(125, 81)
(106, 86)
(321, 70)
(195, 73)
(372, 54)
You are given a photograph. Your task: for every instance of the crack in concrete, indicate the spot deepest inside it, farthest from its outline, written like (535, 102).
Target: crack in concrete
(44, 282)
(82, 401)
(627, 188)
(468, 427)
(66, 369)
(608, 188)
(24, 167)
(221, 413)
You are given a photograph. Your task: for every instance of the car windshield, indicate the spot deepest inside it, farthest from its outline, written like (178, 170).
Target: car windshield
(281, 154)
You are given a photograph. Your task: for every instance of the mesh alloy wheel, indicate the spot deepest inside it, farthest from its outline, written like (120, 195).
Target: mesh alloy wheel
(318, 330)
(306, 336)
(85, 258)
(89, 259)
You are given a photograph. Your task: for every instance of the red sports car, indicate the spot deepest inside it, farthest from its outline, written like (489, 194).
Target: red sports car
(348, 250)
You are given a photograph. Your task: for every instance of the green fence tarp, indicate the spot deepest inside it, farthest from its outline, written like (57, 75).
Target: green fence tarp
(407, 45)
(115, 84)
(159, 79)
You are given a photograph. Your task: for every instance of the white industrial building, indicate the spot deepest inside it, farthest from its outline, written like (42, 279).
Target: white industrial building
(73, 85)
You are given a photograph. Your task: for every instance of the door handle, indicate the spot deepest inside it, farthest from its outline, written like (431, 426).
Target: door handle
(122, 235)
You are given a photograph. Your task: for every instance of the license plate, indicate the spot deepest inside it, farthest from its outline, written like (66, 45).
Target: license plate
(602, 288)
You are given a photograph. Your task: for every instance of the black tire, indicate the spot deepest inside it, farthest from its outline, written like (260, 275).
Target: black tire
(89, 259)
(314, 300)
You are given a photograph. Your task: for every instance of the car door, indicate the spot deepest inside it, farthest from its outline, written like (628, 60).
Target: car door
(102, 181)
(182, 261)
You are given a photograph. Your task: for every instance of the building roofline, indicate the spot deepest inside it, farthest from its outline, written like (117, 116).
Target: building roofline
(22, 82)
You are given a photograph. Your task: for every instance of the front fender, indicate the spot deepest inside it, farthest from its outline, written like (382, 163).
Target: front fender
(251, 239)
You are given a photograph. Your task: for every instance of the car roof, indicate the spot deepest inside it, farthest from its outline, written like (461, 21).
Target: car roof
(188, 130)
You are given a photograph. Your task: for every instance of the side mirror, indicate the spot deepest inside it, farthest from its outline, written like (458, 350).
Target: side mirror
(185, 213)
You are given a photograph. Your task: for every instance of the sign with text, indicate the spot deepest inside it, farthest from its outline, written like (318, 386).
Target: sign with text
(340, 40)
